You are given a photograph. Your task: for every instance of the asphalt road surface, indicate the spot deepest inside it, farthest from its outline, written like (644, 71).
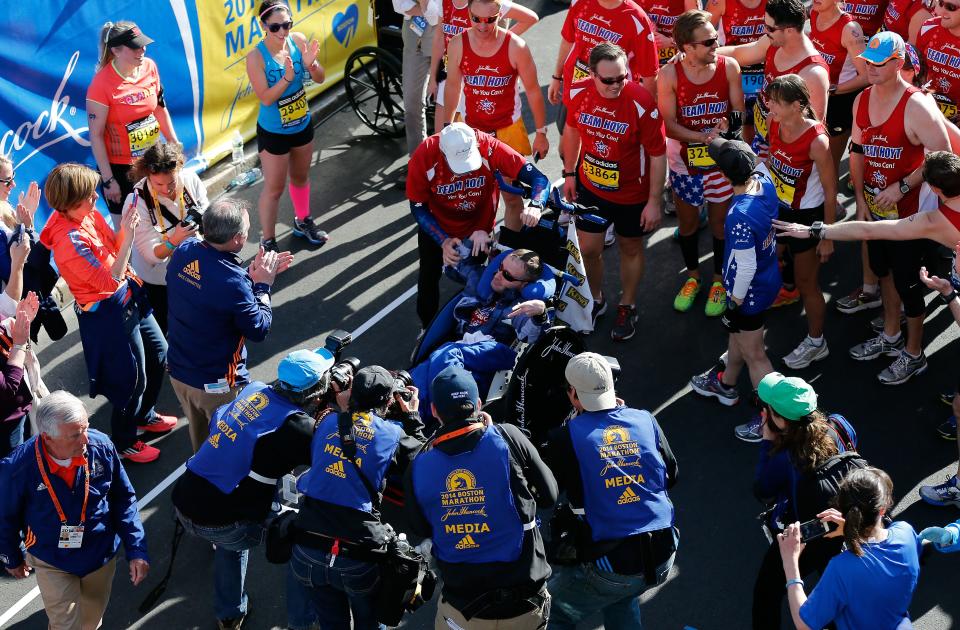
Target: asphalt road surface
(363, 281)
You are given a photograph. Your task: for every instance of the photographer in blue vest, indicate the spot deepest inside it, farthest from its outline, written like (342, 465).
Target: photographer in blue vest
(474, 490)
(226, 493)
(618, 487)
(340, 536)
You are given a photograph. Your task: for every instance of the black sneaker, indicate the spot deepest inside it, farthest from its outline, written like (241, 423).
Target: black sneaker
(626, 325)
(876, 324)
(599, 308)
(236, 623)
(306, 229)
(269, 245)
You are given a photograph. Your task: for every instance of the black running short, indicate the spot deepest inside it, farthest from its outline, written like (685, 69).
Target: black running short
(736, 321)
(281, 143)
(625, 218)
(840, 113)
(804, 216)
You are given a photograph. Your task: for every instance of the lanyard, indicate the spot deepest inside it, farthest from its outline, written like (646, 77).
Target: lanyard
(53, 495)
(157, 202)
(470, 428)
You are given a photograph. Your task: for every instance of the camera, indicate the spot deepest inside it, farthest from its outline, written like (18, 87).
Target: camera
(193, 218)
(341, 374)
(401, 381)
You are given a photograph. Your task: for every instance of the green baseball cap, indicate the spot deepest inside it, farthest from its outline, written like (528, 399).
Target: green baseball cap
(791, 397)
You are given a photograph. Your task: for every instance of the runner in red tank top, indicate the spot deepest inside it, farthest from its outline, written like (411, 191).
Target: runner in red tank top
(904, 17)
(939, 41)
(613, 156)
(785, 49)
(867, 13)
(663, 14)
(699, 98)
(839, 39)
(802, 170)
(455, 20)
(590, 22)
(489, 59)
(742, 24)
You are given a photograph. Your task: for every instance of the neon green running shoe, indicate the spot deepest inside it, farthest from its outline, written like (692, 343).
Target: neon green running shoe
(688, 293)
(716, 300)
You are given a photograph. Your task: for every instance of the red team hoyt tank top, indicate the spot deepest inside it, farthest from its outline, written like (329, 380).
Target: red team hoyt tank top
(869, 13)
(770, 73)
(742, 25)
(941, 51)
(888, 157)
(663, 14)
(489, 87)
(793, 171)
(701, 107)
(829, 43)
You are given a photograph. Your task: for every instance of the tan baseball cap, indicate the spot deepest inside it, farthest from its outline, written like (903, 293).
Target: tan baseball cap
(590, 374)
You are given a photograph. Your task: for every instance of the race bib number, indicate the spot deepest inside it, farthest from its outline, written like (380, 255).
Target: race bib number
(666, 54)
(697, 156)
(580, 71)
(870, 194)
(601, 173)
(760, 120)
(947, 107)
(71, 536)
(752, 83)
(786, 190)
(142, 134)
(293, 108)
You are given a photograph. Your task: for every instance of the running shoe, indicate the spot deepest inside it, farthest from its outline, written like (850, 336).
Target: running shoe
(786, 297)
(610, 237)
(140, 453)
(751, 431)
(716, 300)
(308, 230)
(806, 353)
(946, 397)
(688, 293)
(708, 384)
(858, 301)
(948, 429)
(946, 493)
(903, 369)
(873, 348)
(599, 308)
(876, 324)
(234, 623)
(158, 424)
(626, 324)
(269, 245)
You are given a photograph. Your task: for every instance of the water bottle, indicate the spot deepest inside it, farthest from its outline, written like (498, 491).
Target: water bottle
(245, 179)
(237, 157)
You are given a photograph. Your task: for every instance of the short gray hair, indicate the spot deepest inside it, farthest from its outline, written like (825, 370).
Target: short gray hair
(57, 408)
(223, 220)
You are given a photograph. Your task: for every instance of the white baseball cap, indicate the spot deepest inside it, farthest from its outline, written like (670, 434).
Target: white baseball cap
(590, 374)
(459, 145)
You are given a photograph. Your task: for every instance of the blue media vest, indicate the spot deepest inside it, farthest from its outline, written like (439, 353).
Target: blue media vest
(469, 503)
(623, 473)
(332, 478)
(225, 458)
(290, 114)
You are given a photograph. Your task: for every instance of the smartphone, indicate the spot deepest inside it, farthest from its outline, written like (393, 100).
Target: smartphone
(18, 237)
(815, 528)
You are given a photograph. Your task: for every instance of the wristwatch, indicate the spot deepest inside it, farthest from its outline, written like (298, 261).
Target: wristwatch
(818, 230)
(569, 174)
(904, 186)
(542, 130)
(949, 297)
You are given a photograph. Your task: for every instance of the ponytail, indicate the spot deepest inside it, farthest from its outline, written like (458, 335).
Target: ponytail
(864, 495)
(107, 31)
(853, 522)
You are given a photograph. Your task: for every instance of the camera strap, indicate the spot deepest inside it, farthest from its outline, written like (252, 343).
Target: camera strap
(151, 202)
(348, 442)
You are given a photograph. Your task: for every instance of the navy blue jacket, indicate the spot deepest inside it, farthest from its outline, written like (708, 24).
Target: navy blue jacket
(112, 514)
(214, 307)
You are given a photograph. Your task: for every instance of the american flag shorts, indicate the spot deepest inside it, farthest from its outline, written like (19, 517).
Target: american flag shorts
(709, 186)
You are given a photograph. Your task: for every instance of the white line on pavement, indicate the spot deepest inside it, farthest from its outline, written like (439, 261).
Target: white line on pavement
(172, 477)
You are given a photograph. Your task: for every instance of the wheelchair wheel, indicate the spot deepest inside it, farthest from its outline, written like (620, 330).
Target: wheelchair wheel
(372, 80)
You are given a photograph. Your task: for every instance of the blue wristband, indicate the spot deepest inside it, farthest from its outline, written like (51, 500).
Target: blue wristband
(794, 581)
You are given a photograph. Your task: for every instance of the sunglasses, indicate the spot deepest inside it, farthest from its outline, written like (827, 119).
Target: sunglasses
(949, 6)
(484, 20)
(879, 65)
(276, 27)
(507, 275)
(773, 29)
(611, 80)
(9, 180)
(707, 43)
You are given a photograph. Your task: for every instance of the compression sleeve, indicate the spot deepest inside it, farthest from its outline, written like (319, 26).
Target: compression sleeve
(746, 260)
(538, 183)
(427, 222)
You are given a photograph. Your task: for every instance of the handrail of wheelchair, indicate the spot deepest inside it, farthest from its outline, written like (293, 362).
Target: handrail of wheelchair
(555, 201)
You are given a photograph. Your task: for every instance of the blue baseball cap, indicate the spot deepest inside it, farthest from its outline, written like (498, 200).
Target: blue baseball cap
(883, 47)
(302, 369)
(454, 393)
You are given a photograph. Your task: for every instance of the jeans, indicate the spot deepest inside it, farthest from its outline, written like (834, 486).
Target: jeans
(319, 593)
(150, 353)
(579, 591)
(11, 435)
(229, 562)
(416, 68)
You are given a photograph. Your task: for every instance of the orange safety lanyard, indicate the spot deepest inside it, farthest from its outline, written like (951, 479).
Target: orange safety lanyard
(53, 495)
(156, 200)
(470, 428)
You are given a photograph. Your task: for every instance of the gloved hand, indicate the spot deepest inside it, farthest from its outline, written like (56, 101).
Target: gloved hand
(939, 536)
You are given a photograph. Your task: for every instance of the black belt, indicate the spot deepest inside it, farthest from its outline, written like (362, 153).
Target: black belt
(327, 544)
(512, 601)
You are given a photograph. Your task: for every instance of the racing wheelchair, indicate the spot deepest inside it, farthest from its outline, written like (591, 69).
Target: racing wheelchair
(532, 393)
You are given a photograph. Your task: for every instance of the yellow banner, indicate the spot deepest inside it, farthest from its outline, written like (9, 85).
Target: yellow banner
(230, 30)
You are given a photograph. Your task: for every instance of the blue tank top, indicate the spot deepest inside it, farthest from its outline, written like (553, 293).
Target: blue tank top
(332, 478)
(290, 114)
(469, 503)
(225, 458)
(624, 476)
